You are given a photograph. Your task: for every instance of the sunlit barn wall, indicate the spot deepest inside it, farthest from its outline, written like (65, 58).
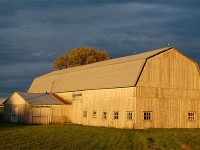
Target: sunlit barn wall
(169, 86)
(104, 100)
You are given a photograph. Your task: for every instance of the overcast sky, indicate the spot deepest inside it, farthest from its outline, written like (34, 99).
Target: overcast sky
(34, 32)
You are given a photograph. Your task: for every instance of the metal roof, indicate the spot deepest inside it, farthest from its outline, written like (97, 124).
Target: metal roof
(40, 99)
(113, 73)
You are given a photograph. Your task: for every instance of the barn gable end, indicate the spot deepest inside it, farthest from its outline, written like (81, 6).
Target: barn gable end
(15, 99)
(14, 108)
(168, 85)
(170, 69)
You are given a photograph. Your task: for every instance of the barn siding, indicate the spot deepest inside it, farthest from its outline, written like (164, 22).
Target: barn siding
(48, 114)
(60, 114)
(16, 102)
(34, 114)
(169, 87)
(170, 69)
(39, 114)
(109, 100)
(170, 104)
(21, 115)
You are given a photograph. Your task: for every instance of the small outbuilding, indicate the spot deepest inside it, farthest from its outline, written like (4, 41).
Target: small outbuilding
(32, 108)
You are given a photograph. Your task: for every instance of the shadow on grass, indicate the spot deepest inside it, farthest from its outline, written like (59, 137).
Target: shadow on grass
(5, 125)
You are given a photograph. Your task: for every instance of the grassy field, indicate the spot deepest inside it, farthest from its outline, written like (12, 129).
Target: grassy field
(17, 136)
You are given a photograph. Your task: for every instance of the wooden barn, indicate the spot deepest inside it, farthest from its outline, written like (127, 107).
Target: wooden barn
(155, 89)
(34, 109)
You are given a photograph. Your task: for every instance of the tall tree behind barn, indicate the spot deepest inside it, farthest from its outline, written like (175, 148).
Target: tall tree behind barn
(79, 56)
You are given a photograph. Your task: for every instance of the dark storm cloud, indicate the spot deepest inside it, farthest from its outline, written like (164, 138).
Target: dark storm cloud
(178, 26)
(18, 77)
(34, 33)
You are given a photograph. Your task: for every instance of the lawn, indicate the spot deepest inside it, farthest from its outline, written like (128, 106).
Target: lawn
(17, 136)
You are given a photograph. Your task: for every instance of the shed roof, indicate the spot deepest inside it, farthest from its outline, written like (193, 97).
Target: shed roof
(40, 99)
(113, 73)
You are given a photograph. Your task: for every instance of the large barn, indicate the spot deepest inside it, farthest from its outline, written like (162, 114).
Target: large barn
(155, 89)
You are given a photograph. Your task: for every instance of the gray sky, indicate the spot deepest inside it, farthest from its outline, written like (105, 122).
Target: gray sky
(34, 33)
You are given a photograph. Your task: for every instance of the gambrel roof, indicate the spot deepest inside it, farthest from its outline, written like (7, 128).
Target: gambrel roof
(113, 73)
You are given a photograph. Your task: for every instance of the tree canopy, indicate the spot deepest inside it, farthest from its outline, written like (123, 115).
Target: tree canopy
(79, 56)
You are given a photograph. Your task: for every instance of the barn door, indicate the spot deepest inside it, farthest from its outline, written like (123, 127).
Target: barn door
(14, 114)
(41, 115)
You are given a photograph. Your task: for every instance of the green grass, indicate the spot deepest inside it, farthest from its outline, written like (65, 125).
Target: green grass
(1, 112)
(69, 137)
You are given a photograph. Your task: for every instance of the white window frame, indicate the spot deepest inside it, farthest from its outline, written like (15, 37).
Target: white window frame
(147, 115)
(191, 115)
(129, 115)
(116, 115)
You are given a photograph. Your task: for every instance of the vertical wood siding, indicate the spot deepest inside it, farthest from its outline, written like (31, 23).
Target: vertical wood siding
(60, 114)
(108, 100)
(34, 114)
(170, 70)
(169, 86)
(16, 102)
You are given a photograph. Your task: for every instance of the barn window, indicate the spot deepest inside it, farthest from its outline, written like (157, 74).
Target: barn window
(191, 115)
(85, 114)
(129, 115)
(147, 115)
(94, 114)
(116, 115)
(104, 115)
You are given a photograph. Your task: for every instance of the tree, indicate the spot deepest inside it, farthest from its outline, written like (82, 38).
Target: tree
(79, 56)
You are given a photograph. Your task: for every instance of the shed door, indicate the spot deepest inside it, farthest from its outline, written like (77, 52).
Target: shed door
(14, 114)
(41, 115)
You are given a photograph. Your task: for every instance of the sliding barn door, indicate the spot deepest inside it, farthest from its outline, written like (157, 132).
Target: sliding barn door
(41, 115)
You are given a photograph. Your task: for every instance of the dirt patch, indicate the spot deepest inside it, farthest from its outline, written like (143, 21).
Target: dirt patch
(185, 147)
